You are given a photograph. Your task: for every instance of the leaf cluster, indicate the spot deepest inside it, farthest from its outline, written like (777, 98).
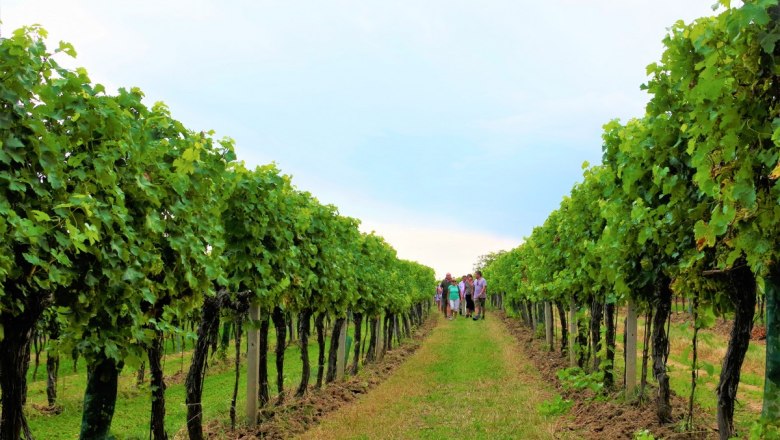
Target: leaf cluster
(690, 186)
(124, 220)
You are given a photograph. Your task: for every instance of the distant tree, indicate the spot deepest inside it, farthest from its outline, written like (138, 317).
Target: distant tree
(486, 259)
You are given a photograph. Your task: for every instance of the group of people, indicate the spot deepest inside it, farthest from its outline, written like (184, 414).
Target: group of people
(465, 297)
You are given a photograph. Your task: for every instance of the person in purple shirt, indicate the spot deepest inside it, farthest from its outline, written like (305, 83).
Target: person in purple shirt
(480, 293)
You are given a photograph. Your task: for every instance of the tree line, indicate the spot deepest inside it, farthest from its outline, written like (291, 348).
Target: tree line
(686, 201)
(119, 226)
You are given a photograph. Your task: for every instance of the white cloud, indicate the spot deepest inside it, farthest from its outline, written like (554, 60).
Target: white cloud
(445, 249)
(430, 238)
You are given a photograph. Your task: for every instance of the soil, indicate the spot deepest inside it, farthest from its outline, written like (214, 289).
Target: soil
(295, 416)
(604, 417)
(215, 365)
(47, 410)
(759, 333)
(175, 378)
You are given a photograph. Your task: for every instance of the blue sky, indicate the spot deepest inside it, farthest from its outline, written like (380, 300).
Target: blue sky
(452, 128)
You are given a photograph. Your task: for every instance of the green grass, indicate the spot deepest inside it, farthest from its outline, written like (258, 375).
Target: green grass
(132, 413)
(468, 380)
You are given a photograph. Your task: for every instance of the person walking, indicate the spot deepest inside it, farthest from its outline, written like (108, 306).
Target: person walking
(480, 293)
(445, 289)
(462, 290)
(469, 294)
(454, 298)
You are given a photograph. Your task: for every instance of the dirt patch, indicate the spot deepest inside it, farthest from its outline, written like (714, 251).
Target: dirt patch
(215, 366)
(295, 416)
(759, 333)
(175, 378)
(600, 419)
(47, 410)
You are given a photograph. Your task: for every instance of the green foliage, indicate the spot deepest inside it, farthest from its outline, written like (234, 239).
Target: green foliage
(555, 407)
(290, 250)
(123, 219)
(765, 430)
(539, 331)
(576, 378)
(644, 434)
(691, 186)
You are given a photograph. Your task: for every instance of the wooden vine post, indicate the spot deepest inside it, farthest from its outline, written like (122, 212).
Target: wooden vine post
(631, 330)
(380, 340)
(253, 361)
(572, 334)
(341, 361)
(548, 325)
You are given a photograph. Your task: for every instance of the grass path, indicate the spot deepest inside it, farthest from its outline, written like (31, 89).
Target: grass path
(468, 380)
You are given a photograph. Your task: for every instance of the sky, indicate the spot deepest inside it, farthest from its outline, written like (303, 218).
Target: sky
(451, 128)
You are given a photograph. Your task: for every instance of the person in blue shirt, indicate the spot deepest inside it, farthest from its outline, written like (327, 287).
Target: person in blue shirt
(454, 297)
